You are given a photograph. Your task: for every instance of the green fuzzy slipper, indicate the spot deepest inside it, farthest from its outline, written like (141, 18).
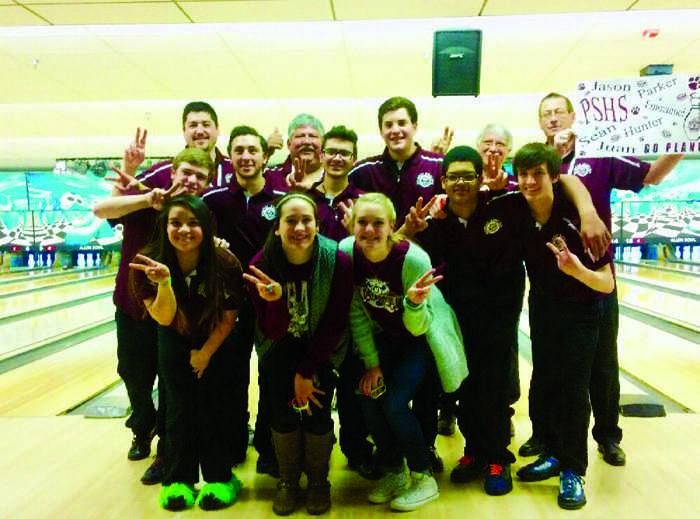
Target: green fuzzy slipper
(214, 496)
(176, 497)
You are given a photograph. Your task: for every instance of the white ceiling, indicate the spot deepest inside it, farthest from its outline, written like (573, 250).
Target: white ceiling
(79, 76)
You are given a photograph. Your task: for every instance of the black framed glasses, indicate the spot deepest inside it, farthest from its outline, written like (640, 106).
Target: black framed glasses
(332, 152)
(467, 178)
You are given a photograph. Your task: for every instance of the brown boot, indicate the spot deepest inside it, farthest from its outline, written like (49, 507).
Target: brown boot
(317, 451)
(289, 449)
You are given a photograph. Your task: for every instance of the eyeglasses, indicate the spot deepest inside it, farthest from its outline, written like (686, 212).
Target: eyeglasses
(467, 179)
(497, 145)
(554, 113)
(332, 152)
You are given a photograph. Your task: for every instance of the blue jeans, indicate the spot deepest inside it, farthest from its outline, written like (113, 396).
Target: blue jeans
(390, 419)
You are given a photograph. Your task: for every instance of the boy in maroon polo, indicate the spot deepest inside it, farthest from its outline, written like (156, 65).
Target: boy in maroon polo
(405, 171)
(334, 190)
(244, 212)
(137, 344)
(600, 176)
(567, 290)
(200, 128)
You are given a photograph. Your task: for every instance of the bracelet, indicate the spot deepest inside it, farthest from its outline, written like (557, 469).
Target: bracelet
(165, 283)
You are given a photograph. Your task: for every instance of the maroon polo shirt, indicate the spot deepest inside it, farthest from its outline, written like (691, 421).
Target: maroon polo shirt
(159, 175)
(418, 177)
(138, 231)
(329, 211)
(243, 221)
(542, 270)
(601, 175)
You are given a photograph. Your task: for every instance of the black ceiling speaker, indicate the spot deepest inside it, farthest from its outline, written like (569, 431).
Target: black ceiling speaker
(456, 63)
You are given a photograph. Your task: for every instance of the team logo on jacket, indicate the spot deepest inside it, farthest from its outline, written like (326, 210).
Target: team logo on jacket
(425, 180)
(582, 169)
(269, 212)
(492, 226)
(376, 292)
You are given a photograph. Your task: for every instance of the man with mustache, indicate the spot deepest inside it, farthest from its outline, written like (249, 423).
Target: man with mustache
(302, 168)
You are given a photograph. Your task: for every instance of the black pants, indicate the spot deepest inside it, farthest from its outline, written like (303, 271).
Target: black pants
(353, 431)
(605, 376)
(198, 418)
(242, 339)
(604, 388)
(564, 339)
(137, 356)
(279, 367)
(489, 323)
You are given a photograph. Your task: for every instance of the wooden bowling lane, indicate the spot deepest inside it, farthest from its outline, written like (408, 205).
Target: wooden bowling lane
(54, 295)
(662, 360)
(26, 334)
(54, 384)
(661, 304)
(17, 287)
(669, 278)
(68, 467)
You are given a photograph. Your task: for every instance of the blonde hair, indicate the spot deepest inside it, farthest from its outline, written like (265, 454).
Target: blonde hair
(385, 203)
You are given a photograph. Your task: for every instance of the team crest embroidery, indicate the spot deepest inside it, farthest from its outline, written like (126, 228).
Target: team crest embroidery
(375, 292)
(582, 169)
(425, 180)
(492, 226)
(269, 212)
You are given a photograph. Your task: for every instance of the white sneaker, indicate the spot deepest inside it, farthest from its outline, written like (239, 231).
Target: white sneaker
(422, 490)
(387, 488)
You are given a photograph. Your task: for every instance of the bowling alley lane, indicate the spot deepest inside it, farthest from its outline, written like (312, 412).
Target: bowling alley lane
(53, 295)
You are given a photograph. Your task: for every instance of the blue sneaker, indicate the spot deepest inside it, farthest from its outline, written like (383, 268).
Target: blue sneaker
(544, 467)
(498, 481)
(571, 496)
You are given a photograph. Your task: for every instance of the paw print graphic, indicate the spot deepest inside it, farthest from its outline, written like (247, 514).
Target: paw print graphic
(635, 110)
(694, 82)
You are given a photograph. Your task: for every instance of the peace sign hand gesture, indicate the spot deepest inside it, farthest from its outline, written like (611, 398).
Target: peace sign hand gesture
(155, 272)
(269, 289)
(418, 292)
(567, 261)
(158, 197)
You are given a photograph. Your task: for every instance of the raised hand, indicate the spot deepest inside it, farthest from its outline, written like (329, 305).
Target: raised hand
(418, 292)
(274, 142)
(156, 272)
(158, 197)
(124, 182)
(296, 178)
(442, 144)
(564, 141)
(347, 207)
(269, 289)
(567, 261)
(416, 218)
(135, 153)
(497, 182)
